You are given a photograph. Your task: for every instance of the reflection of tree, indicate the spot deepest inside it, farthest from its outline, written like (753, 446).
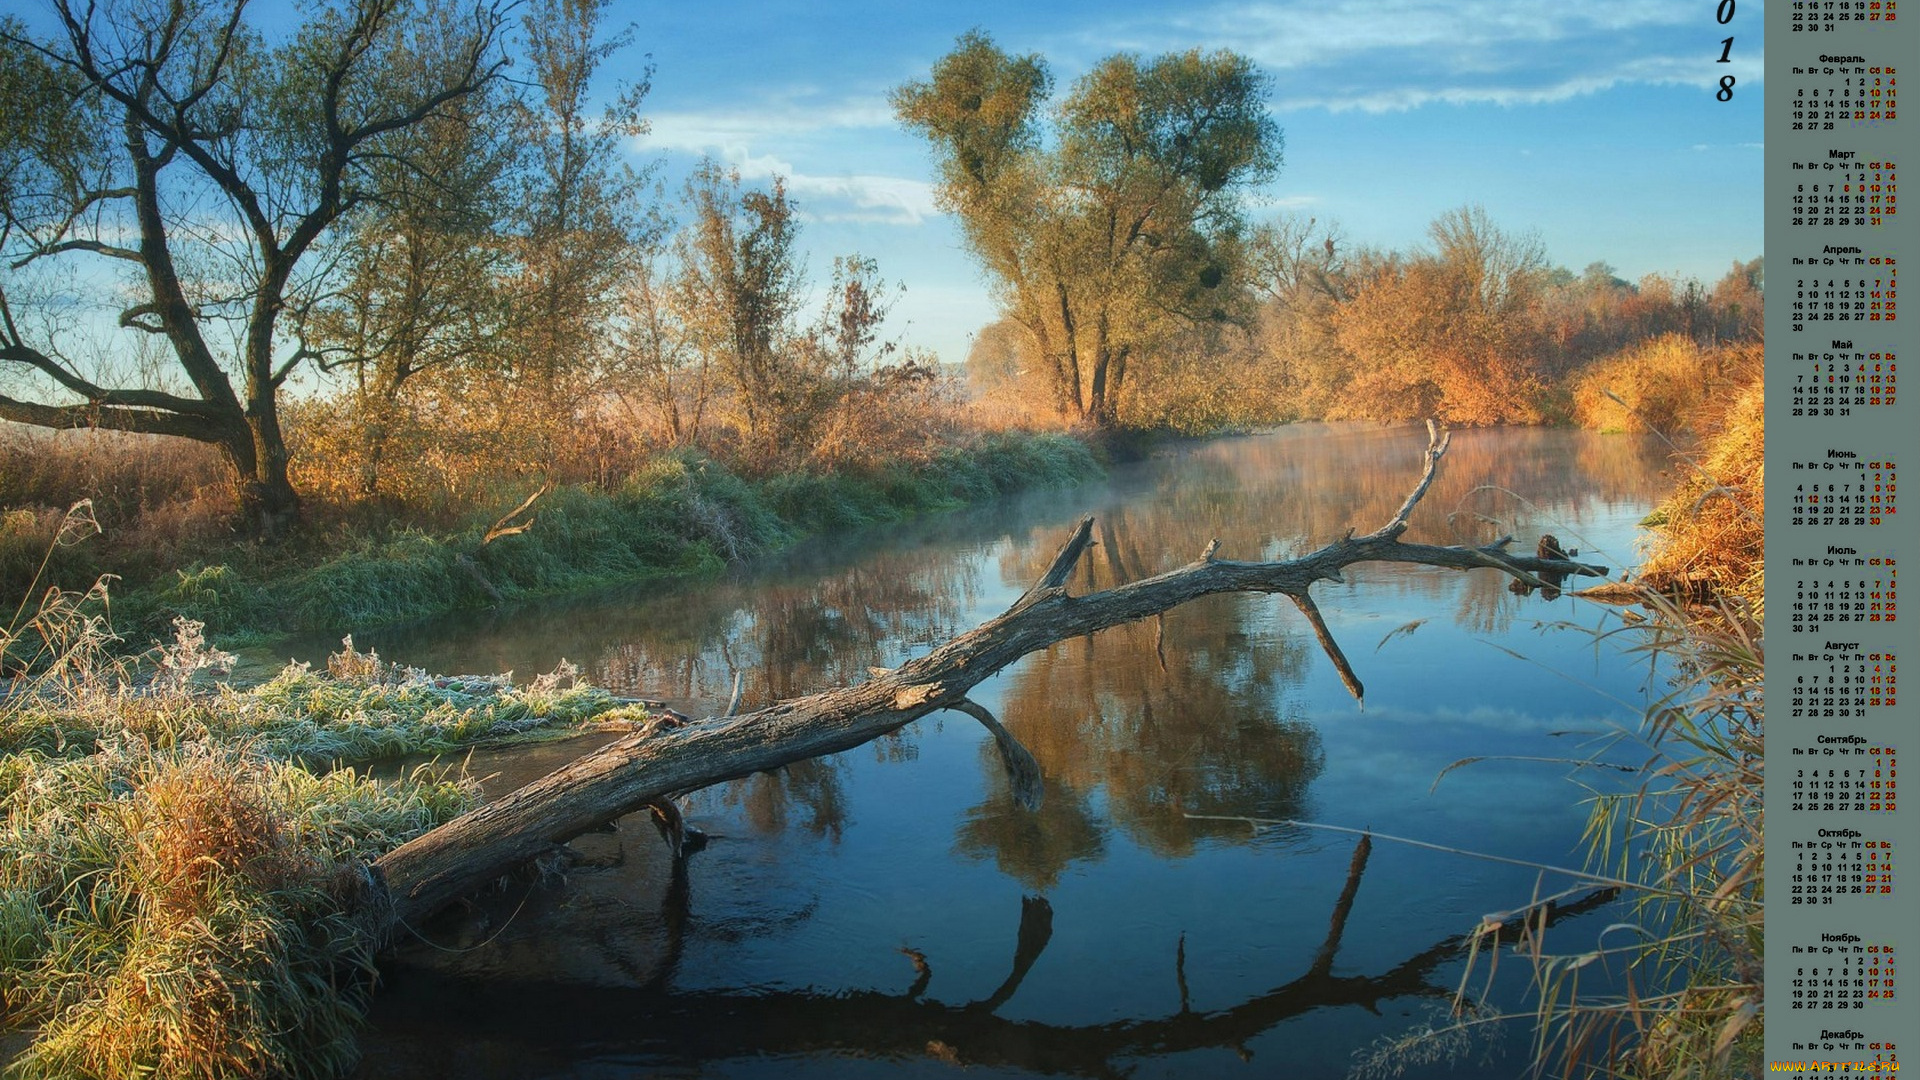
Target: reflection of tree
(1186, 714)
(793, 633)
(1168, 718)
(1032, 846)
(549, 1023)
(814, 786)
(1271, 496)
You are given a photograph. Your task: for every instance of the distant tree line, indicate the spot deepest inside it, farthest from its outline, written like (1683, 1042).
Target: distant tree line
(1477, 327)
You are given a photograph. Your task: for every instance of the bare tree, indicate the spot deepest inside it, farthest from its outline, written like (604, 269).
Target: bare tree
(183, 163)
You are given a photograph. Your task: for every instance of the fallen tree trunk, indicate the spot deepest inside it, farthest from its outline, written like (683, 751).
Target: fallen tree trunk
(650, 768)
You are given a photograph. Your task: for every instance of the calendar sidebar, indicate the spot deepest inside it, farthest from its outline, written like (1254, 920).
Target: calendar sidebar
(1838, 914)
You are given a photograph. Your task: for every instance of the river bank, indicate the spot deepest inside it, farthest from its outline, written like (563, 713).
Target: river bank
(684, 515)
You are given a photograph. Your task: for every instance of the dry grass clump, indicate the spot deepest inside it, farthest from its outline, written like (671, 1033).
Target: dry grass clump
(196, 825)
(191, 911)
(125, 475)
(179, 896)
(905, 414)
(1710, 541)
(160, 500)
(1668, 384)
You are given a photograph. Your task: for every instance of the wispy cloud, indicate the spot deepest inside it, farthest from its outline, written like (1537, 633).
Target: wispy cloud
(1264, 201)
(1391, 55)
(741, 138)
(784, 116)
(850, 197)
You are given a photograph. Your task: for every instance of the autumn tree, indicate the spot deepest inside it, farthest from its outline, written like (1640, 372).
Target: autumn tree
(476, 296)
(419, 293)
(718, 330)
(1450, 332)
(1738, 301)
(584, 214)
(740, 290)
(170, 155)
(1298, 269)
(1109, 221)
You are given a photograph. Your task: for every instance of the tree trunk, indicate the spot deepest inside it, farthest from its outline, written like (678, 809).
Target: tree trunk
(268, 504)
(1099, 407)
(652, 767)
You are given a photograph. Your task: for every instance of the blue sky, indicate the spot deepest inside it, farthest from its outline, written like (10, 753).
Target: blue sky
(1593, 123)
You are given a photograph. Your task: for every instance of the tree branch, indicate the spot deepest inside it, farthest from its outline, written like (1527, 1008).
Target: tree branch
(96, 395)
(109, 418)
(460, 857)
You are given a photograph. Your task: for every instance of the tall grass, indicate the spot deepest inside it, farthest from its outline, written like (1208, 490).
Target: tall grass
(1710, 542)
(159, 500)
(182, 884)
(1692, 832)
(192, 910)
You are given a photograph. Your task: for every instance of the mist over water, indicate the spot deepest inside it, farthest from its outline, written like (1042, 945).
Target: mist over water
(891, 911)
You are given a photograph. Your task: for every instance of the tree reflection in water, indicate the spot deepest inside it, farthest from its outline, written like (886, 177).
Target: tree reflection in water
(655, 1025)
(1133, 728)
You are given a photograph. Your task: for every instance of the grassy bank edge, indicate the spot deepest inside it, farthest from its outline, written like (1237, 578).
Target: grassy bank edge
(683, 515)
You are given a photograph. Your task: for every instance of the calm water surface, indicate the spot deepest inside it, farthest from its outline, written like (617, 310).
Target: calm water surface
(890, 912)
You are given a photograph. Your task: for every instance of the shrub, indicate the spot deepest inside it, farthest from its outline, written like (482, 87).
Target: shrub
(1665, 384)
(1710, 542)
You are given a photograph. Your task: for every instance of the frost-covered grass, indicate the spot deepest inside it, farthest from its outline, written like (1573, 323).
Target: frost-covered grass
(183, 871)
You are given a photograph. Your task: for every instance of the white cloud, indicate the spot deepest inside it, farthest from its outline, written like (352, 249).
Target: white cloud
(700, 130)
(887, 200)
(1261, 201)
(737, 137)
(1394, 55)
(1287, 35)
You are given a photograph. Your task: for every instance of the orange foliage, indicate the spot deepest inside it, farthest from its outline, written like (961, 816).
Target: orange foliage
(1423, 345)
(1712, 542)
(1660, 385)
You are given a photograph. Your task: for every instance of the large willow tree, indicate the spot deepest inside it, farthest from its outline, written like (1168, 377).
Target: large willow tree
(1110, 222)
(166, 161)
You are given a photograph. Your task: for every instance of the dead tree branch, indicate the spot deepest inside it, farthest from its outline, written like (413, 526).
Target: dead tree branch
(647, 767)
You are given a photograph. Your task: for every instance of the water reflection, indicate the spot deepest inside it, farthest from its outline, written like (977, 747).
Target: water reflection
(578, 1027)
(1166, 719)
(820, 872)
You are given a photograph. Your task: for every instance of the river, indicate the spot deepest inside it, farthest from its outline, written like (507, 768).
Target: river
(891, 912)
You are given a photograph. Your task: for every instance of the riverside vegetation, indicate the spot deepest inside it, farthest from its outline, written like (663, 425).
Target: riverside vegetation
(184, 868)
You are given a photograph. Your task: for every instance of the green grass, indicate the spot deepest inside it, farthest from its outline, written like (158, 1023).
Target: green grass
(684, 514)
